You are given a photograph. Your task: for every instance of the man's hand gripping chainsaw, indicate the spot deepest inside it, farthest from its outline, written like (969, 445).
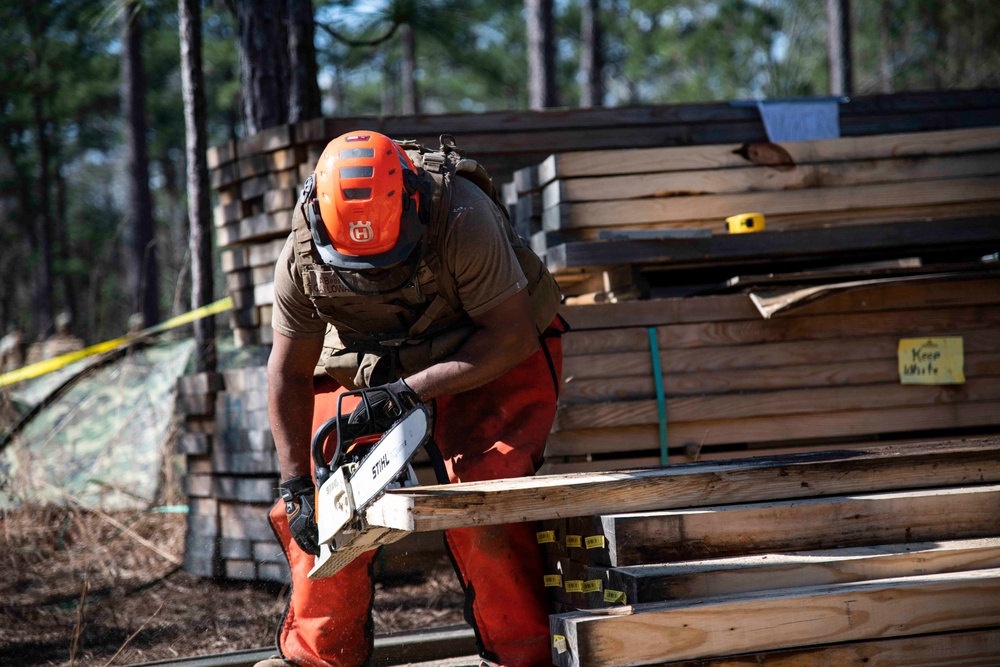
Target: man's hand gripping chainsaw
(348, 484)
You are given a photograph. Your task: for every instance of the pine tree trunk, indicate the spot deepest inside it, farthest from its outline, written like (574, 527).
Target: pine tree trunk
(591, 55)
(411, 103)
(196, 144)
(141, 262)
(541, 54)
(263, 63)
(304, 101)
(838, 14)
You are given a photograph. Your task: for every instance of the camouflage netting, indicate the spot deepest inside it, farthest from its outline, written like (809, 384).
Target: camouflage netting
(103, 442)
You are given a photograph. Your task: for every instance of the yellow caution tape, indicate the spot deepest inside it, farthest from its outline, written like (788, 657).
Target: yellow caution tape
(745, 223)
(55, 363)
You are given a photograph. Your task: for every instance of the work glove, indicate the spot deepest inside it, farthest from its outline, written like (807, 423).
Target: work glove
(299, 496)
(388, 402)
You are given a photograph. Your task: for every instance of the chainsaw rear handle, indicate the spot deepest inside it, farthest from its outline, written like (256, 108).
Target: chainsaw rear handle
(322, 468)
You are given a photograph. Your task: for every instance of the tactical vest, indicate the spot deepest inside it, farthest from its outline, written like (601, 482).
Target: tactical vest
(376, 339)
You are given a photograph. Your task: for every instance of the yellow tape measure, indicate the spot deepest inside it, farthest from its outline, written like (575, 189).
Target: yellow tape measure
(744, 223)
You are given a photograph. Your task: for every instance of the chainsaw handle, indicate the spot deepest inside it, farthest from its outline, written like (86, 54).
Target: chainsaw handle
(320, 464)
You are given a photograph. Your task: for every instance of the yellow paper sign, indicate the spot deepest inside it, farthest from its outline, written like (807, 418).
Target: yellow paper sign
(931, 360)
(574, 585)
(546, 536)
(553, 580)
(592, 586)
(595, 542)
(574, 541)
(559, 643)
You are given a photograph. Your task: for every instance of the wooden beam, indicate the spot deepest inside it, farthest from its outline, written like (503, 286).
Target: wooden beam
(884, 195)
(819, 427)
(976, 648)
(746, 573)
(749, 480)
(843, 374)
(616, 162)
(669, 536)
(793, 176)
(780, 619)
(822, 399)
(900, 238)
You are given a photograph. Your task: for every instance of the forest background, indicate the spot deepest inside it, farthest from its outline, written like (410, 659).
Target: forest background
(98, 153)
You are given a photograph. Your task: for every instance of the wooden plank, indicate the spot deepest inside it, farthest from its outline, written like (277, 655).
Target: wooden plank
(894, 238)
(746, 573)
(786, 428)
(923, 515)
(608, 214)
(790, 328)
(780, 619)
(621, 353)
(672, 183)
(924, 291)
(749, 480)
(841, 374)
(785, 402)
(608, 163)
(977, 648)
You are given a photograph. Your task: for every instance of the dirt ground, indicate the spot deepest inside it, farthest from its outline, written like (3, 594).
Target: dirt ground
(82, 588)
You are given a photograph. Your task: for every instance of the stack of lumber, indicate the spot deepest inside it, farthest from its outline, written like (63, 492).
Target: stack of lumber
(886, 196)
(887, 556)
(256, 178)
(911, 574)
(736, 384)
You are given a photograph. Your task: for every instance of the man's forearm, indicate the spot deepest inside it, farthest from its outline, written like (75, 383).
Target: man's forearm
(290, 409)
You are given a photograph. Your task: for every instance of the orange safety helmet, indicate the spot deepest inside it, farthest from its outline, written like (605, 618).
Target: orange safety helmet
(362, 204)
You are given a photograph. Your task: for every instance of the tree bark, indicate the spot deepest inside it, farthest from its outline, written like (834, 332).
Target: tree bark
(263, 63)
(591, 55)
(411, 102)
(541, 54)
(198, 205)
(141, 257)
(304, 101)
(838, 14)
(44, 274)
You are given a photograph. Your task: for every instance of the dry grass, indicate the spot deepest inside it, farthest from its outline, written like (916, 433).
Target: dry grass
(84, 588)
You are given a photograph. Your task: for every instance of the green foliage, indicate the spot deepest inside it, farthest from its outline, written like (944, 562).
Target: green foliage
(62, 57)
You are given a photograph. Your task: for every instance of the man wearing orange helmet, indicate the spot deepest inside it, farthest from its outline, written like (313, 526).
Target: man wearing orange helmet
(402, 269)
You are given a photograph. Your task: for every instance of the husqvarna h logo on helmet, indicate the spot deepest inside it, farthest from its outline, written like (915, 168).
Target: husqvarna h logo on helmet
(361, 231)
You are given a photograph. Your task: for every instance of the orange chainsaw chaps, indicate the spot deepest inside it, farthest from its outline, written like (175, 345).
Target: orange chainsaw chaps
(496, 431)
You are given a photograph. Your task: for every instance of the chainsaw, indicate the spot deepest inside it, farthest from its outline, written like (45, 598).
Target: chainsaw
(349, 483)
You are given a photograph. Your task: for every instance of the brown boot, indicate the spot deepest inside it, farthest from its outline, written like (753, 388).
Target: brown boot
(274, 661)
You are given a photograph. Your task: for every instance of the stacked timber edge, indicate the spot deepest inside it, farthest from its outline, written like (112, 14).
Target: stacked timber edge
(256, 178)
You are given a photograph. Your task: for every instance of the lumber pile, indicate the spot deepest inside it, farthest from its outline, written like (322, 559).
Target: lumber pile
(909, 572)
(664, 208)
(734, 384)
(256, 179)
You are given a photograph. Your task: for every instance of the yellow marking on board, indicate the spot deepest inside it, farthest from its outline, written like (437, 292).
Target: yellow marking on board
(595, 542)
(574, 541)
(552, 580)
(614, 596)
(559, 643)
(744, 223)
(546, 536)
(592, 586)
(574, 585)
